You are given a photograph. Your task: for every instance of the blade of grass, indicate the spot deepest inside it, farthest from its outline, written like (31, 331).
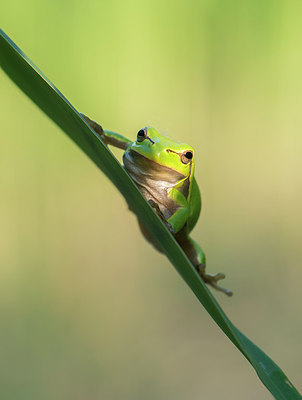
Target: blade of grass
(42, 92)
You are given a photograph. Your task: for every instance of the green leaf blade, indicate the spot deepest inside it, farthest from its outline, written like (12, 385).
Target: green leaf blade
(45, 95)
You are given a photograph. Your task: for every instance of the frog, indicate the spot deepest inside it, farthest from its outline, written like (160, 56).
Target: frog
(163, 170)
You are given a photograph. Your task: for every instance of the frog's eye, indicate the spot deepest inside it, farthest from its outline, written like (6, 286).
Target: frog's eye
(186, 157)
(141, 135)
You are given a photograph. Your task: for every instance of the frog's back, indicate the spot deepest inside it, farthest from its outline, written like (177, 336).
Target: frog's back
(195, 205)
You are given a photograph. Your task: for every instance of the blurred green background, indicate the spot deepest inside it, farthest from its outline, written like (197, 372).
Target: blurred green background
(89, 310)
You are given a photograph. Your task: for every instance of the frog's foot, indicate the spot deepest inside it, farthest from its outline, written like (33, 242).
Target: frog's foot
(212, 279)
(161, 215)
(96, 127)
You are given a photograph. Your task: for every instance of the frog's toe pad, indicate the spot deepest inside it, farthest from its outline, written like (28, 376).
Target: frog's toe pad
(215, 277)
(212, 279)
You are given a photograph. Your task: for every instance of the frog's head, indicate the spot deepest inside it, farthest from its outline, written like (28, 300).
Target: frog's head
(164, 152)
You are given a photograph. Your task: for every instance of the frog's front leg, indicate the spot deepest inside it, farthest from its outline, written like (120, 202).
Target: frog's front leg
(180, 215)
(155, 206)
(198, 259)
(108, 137)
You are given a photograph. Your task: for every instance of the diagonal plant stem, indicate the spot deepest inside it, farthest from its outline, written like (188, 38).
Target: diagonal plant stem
(42, 92)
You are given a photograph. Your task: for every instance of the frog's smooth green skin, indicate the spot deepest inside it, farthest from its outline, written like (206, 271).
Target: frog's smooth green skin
(163, 170)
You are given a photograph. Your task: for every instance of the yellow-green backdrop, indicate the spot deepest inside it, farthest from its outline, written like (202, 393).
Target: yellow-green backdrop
(88, 309)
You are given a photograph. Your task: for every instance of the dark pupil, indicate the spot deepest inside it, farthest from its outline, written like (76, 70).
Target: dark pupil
(141, 133)
(189, 155)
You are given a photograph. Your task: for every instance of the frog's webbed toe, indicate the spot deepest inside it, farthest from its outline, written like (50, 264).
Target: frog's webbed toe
(212, 279)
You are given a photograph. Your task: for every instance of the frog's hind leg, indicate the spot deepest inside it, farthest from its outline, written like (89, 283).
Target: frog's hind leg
(198, 259)
(212, 279)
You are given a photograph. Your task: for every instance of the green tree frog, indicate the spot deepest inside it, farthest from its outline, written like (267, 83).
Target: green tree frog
(163, 170)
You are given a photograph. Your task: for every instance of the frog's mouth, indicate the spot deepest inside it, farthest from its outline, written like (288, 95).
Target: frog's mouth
(185, 157)
(150, 139)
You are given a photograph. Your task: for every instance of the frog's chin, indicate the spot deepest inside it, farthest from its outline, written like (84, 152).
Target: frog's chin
(142, 168)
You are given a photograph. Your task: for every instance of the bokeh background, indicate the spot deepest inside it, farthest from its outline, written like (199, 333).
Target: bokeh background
(88, 309)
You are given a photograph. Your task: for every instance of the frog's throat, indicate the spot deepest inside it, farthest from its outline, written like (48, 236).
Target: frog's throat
(155, 178)
(142, 169)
